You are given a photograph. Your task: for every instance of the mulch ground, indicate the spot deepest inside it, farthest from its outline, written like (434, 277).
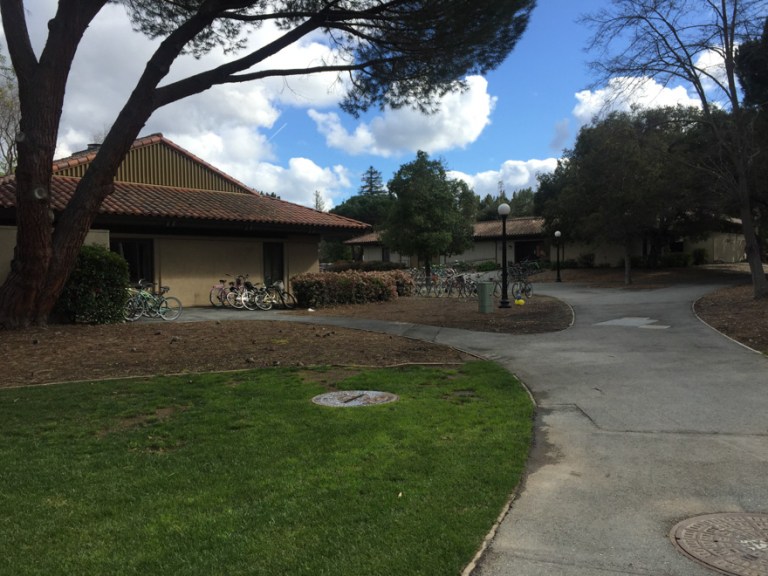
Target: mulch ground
(69, 353)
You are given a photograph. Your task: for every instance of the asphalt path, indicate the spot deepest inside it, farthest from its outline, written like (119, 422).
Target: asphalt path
(645, 417)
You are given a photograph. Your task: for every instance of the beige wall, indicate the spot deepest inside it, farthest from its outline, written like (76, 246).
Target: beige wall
(482, 251)
(191, 266)
(611, 255)
(301, 255)
(721, 247)
(8, 243)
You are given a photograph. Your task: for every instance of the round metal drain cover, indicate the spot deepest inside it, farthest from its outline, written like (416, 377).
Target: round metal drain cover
(731, 543)
(345, 398)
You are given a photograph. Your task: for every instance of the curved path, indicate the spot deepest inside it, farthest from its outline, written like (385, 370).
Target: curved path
(646, 417)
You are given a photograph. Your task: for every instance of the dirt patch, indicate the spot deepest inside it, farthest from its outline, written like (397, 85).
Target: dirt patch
(735, 312)
(67, 353)
(539, 314)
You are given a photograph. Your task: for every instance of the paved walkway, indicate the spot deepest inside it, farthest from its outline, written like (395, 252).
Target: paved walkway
(646, 417)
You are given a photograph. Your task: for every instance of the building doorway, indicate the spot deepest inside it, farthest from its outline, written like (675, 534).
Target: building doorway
(140, 255)
(274, 262)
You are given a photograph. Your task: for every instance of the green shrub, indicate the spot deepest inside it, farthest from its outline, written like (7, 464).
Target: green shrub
(366, 266)
(487, 266)
(350, 287)
(97, 288)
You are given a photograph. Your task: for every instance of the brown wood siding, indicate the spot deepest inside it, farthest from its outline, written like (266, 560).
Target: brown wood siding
(163, 166)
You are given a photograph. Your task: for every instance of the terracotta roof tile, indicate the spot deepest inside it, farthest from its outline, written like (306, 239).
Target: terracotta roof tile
(516, 228)
(143, 200)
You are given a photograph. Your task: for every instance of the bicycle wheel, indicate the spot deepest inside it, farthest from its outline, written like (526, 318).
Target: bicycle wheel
(169, 308)
(266, 299)
(216, 297)
(528, 289)
(289, 301)
(249, 299)
(150, 306)
(234, 299)
(132, 310)
(517, 290)
(497, 289)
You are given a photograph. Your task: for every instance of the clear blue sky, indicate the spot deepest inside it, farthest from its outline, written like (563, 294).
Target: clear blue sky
(289, 136)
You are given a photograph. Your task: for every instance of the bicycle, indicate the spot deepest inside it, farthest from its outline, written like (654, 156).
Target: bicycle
(144, 302)
(219, 292)
(243, 294)
(277, 294)
(521, 286)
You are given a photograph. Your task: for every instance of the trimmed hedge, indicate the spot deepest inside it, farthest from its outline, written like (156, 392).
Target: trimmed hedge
(364, 266)
(97, 288)
(350, 287)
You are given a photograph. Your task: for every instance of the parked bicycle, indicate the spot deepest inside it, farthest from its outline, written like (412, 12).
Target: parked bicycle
(277, 295)
(243, 294)
(219, 292)
(145, 301)
(521, 286)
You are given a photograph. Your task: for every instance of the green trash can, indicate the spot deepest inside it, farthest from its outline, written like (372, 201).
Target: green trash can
(485, 296)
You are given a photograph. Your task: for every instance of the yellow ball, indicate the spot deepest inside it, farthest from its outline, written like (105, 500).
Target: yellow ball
(519, 302)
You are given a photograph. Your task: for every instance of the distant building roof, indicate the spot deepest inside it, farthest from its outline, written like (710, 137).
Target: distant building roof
(516, 228)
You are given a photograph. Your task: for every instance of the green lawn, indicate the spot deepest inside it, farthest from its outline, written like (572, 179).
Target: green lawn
(240, 473)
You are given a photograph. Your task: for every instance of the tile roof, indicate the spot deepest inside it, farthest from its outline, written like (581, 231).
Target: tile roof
(145, 200)
(516, 228)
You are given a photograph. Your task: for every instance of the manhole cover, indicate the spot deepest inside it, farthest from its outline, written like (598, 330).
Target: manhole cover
(731, 543)
(345, 398)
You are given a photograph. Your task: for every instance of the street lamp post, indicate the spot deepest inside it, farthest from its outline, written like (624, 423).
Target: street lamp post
(504, 212)
(557, 248)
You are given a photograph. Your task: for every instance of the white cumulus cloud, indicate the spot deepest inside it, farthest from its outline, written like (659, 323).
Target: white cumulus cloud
(459, 122)
(299, 180)
(513, 175)
(623, 93)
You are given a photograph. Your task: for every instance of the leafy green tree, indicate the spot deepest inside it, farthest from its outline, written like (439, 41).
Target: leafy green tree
(488, 207)
(462, 232)
(432, 214)
(371, 205)
(521, 203)
(752, 70)
(632, 179)
(674, 41)
(391, 52)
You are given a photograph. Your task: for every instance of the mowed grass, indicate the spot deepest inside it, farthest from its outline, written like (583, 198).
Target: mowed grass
(240, 473)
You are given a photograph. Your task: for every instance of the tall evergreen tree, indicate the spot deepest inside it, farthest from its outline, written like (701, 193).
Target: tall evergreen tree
(371, 205)
(372, 183)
